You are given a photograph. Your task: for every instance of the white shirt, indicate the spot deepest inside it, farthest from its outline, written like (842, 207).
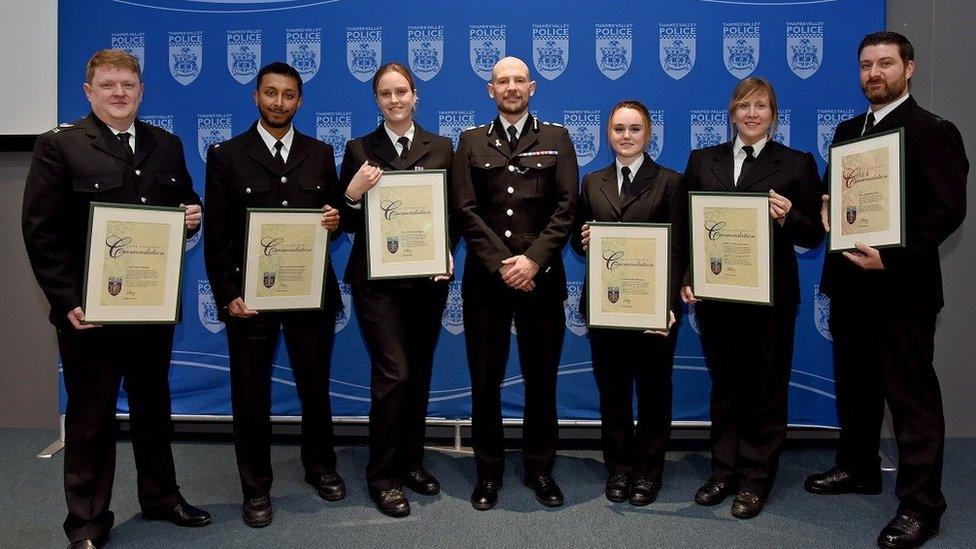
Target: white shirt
(519, 125)
(269, 140)
(393, 137)
(883, 111)
(739, 155)
(132, 135)
(634, 166)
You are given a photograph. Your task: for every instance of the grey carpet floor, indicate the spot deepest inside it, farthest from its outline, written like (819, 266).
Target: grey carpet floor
(32, 504)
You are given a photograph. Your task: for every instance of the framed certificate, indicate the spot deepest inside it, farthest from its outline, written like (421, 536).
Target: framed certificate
(406, 225)
(867, 191)
(629, 267)
(731, 246)
(285, 259)
(133, 264)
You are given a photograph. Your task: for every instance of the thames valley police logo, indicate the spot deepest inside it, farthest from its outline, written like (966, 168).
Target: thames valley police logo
(614, 49)
(656, 145)
(782, 133)
(613, 294)
(450, 124)
(269, 279)
(677, 48)
(342, 315)
(185, 55)
(364, 50)
(708, 127)
(550, 49)
(453, 318)
(132, 42)
(827, 121)
(487, 46)
(575, 321)
(821, 313)
(392, 244)
(584, 128)
(243, 54)
(207, 308)
(212, 129)
(334, 128)
(164, 121)
(303, 50)
(740, 44)
(425, 50)
(804, 47)
(114, 285)
(715, 263)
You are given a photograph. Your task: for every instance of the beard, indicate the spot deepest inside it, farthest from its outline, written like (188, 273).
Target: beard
(886, 94)
(508, 108)
(270, 123)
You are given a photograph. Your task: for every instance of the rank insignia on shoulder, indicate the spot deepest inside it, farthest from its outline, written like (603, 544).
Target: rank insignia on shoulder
(558, 125)
(65, 125)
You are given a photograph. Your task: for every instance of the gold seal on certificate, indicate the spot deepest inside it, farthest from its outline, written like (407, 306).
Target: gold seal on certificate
(134, 262)
(287, 252)
(731, 244)
(867, 191)
(628, 266)
(406, 225)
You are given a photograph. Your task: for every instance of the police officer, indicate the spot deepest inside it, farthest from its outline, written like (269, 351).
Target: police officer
(515, 184)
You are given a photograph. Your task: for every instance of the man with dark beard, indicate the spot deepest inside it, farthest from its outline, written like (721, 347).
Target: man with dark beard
(514, 188)
(884, 305)
(272, 165)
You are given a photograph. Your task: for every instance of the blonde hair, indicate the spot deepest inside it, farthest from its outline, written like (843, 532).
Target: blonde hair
(749, 86)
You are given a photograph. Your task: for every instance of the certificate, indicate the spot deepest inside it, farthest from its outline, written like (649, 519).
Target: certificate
(867, 191)
(731, 246)
(286, 252)
(628, 266)
(406, 225)
(133, 264)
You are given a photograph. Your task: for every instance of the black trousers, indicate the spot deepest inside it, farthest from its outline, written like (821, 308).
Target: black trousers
(883, 355)
(95, 362)
(749, 351)
(400, 324)
(540, 326)
(252, 343)
(623, 360)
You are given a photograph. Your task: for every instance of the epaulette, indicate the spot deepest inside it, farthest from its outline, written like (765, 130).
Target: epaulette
(546, 123)
(62, 126)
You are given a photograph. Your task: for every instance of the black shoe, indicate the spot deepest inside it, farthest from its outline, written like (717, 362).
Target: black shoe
(837, 481)
(182, 514)
(546, 490)
(86, 544)
(747, 505)
(390, 502)
(257, 512)
(330, 486)
(644, 491)
(422, 482)
(713, 492)
(618, 488)
(904, 531)
(485, 494)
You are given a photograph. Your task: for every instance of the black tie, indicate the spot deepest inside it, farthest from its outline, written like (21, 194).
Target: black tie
(869, 123)
(512, 137)
(625, 186)
(405, 147)
(278, 156)
(124, 138)
(747, 163)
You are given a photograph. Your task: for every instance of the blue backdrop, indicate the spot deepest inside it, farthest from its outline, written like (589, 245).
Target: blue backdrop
(681, 58)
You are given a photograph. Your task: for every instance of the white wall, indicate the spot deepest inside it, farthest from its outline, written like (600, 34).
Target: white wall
(29, 65)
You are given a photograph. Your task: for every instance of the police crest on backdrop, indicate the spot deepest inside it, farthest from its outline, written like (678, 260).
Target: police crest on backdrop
(804, 47)
(303, 50)
(185, 55)
(334, 128)
(782, 134)
(425, 50)
(656, 144)
(164, 121)
(693, 319)
(243, 54)
(194, 240)
(614, 49)
(827, 121)
(212, 129)
(486, 47)
(584, 129)
(453, 318)
(132, 42)
(821, 313)
(677, 44)
(740, 47)
(550, 49)
(207, 308)
(342, 315)
(450, 124)
(364, 51)
(709, 127)
(575, 322)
